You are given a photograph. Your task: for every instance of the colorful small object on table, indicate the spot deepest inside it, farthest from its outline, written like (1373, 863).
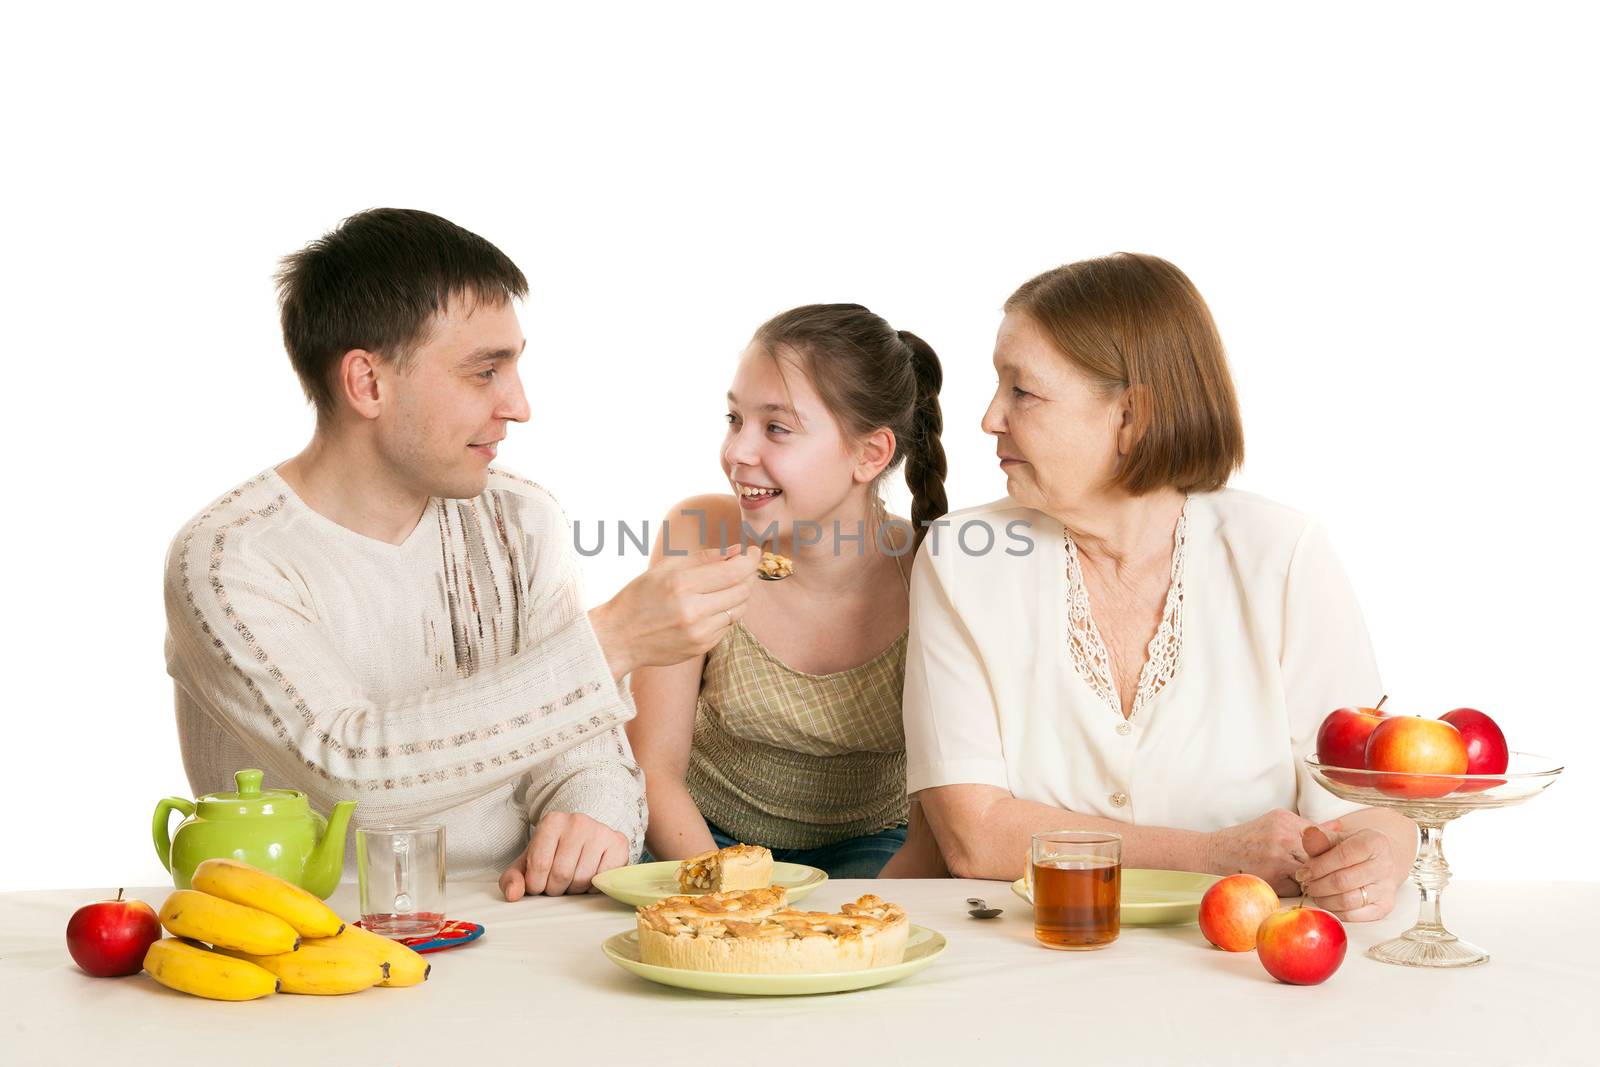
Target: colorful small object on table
(453, 934)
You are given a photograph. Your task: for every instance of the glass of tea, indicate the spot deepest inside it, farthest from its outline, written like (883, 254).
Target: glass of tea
(400, 870)
(1075, 880)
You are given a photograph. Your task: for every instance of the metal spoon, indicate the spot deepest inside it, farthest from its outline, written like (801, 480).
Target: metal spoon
(980, 908)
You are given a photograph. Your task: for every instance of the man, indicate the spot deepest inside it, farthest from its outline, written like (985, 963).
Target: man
(387, 618)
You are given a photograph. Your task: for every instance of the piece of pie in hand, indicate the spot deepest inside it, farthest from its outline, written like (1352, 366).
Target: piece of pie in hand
(723, 870)
(754, 933)
(774, 567)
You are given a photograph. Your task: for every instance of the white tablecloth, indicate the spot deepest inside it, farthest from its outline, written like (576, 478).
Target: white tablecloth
(536, 990)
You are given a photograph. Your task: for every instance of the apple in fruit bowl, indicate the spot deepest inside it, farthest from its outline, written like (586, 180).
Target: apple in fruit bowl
(1232, 910)
(1342, 740)
(1486, 746)
(1427, 751)
(1301, 946)
(109, 938)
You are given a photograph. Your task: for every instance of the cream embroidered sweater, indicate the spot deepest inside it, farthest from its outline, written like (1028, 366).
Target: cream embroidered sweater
(453, 678)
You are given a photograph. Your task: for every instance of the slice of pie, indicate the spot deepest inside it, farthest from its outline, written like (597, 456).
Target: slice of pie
(775, 566)
(754, 933)
(725, 869)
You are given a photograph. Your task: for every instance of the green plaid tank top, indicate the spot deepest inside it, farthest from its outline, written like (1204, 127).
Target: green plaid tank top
(786, 759)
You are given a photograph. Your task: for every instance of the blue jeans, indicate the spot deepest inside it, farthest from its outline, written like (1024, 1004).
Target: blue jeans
(854, 857)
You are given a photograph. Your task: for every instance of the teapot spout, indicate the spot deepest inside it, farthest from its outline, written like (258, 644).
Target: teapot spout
(327, 860)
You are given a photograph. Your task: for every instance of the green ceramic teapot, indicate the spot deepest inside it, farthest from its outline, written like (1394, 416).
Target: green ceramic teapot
(273, 829)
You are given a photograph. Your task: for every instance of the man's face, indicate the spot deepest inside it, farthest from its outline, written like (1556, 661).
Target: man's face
(443, 417)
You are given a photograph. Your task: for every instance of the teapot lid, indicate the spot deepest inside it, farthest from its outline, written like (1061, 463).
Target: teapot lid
(250, 799)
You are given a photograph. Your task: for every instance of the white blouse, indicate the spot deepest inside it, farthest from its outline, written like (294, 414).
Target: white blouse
(1007, 682)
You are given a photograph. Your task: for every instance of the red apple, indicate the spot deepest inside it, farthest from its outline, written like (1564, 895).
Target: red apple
(109, 938)
(1417, 747)
(1232, 910)
(1486, 746)
(1342, 740)
(1301, 946)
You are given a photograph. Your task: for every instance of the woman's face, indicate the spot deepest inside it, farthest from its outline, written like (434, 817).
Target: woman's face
(1056, 434)
(785, 455)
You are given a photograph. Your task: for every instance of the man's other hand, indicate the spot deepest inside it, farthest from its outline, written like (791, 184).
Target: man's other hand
(565, 853)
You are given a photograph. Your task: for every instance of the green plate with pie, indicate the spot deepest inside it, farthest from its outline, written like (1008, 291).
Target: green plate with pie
(923, 946)
(645, 883)
(1154, 898)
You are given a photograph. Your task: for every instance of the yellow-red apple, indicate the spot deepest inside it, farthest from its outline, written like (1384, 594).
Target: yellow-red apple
(1232, 910)
(1417, 747)
(1301, 946)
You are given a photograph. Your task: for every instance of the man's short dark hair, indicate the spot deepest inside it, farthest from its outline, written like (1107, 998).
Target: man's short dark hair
(375, 283)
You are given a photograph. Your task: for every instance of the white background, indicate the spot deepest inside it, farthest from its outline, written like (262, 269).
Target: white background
(1390, 208)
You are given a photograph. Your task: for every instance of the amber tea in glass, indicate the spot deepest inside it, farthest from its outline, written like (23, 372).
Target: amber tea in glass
(1075, 880)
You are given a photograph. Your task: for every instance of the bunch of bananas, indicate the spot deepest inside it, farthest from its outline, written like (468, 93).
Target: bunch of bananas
(242, 933)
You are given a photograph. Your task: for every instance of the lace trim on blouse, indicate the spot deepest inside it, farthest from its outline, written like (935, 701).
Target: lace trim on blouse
(1089, 654)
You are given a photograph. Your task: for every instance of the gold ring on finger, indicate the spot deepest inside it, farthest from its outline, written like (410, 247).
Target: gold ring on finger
(1366, 902)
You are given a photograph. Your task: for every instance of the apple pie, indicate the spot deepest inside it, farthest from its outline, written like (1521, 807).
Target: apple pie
(774, 566)
(755, 932)
(724, 869)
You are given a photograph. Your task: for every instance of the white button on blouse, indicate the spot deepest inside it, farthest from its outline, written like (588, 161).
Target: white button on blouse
(1261, 640)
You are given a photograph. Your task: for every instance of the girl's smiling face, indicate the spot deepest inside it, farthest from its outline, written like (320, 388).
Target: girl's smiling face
(785, 455)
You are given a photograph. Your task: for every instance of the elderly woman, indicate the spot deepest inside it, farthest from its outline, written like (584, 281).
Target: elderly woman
(1141, 650)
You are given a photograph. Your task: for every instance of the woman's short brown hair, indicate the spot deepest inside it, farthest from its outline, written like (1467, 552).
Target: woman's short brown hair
(1136, 321)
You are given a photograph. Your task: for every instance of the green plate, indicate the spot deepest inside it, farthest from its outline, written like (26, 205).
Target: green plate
(922, 948)
(646, 883)
(1155, 898)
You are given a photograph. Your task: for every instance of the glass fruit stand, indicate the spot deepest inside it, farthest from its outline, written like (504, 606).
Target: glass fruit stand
(1432, 800)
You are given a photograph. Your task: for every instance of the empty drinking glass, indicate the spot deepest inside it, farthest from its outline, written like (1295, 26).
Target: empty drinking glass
(401, 875)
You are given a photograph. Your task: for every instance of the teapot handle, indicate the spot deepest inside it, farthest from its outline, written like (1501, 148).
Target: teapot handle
(161, 828)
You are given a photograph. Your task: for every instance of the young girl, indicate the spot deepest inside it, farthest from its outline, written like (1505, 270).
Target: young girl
(788, 733)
